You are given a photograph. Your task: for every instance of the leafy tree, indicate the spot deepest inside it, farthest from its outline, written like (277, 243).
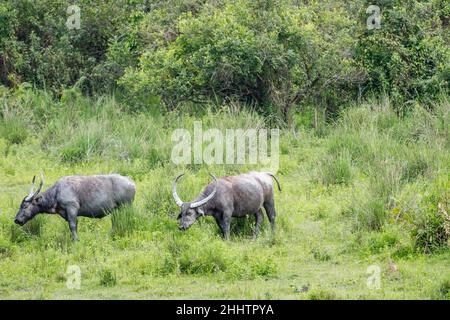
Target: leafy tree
(274, 54)
(37, 46)
(408, 57)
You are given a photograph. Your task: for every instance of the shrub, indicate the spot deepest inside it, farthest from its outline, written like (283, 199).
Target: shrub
(369, 213)
(404, 58)
(6, 249)
(86, 142)
(353, 143)
(322, 294)
(429, 220)
(125, 221)
(443, 290)
(14, 129)
(320, 254)
(336, 169)
(37, 46)
(107, 278)
(272, 54)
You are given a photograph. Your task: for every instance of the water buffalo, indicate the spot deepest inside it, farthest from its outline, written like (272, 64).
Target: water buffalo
(73, 196)
(231, 196)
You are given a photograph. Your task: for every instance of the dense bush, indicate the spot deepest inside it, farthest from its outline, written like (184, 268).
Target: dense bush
(270, 53)
(429, 219)
(276, 55)
(37, 47)
(408, 56)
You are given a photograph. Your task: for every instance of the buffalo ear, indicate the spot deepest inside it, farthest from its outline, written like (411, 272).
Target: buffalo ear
(38, 199)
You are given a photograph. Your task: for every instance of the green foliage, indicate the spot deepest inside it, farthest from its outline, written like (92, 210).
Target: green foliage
(17, 235)
(320, 254)
(6, 250)
(32, 229)
(430, 220)
(369, 212)
(349, 144)
(125, 221)
(391, 152)
(387, 208)
(336, 169)
(443, 290)
(407, 58)
(322, 294)
(272, 53)
(390, 240)
(14, 129)
(37, 46)
(107, 278)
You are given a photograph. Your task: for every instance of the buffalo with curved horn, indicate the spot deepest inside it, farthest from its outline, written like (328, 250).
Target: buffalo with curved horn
(73, 196)
(230, 196)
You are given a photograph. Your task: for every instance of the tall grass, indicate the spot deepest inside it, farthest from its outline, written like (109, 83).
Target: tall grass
(13, 129)
(125, 221)
(370, 184)
(336, 169)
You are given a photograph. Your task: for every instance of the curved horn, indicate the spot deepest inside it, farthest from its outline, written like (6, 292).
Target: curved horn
(31, 193)
(35, 193)
(174, 191)
(205, 200)
(41, 183)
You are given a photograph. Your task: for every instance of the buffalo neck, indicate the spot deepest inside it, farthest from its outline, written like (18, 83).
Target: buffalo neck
(48, 202)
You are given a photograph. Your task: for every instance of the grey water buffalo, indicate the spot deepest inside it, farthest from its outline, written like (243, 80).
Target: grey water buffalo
(231, 196)
(73, 196)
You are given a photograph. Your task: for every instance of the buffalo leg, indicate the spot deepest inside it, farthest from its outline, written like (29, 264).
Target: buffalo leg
(72, 219)
(259, 218)
(220, 223)
(270, 211)
(225, 224)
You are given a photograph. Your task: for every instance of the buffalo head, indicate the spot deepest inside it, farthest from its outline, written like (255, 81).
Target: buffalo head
(31, 204)
(190, 211)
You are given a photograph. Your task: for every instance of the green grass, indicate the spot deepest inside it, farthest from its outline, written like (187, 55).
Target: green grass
(13, 129)
(369, 190)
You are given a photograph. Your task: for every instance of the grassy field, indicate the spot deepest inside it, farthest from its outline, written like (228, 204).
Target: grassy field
(369, 189)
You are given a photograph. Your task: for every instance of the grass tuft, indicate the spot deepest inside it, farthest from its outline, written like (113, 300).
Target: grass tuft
(125, 221)
(107, 278)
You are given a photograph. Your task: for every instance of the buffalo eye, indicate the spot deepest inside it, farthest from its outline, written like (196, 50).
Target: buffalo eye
(37, 200)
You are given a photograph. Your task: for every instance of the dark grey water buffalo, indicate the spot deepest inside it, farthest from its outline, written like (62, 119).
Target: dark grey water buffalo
(73, 196)
(231, 196)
